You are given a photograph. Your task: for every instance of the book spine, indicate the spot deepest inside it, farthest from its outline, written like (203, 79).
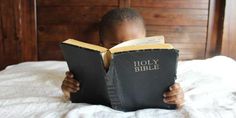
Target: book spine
(112, 90)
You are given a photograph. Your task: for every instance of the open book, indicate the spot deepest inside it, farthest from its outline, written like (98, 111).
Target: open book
(129, 76)
(155, 42)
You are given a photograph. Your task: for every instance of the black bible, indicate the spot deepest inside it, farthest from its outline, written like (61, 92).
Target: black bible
(130, 76)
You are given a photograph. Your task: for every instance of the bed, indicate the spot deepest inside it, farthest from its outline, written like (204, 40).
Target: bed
(32, 89)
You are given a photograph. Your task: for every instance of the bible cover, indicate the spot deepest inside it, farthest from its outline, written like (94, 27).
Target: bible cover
(138, 79)
(87, 67)
(137, 75)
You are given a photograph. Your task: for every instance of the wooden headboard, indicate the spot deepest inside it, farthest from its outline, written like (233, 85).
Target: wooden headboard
(32, 30)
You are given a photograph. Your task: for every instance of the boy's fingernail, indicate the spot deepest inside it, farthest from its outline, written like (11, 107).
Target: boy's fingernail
(170, 88)
(164, 95)
(77, 84)
(164, 100)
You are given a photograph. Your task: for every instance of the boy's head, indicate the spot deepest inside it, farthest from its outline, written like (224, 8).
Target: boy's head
(119, 25)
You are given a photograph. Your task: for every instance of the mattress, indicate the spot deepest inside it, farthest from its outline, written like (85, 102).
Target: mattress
(32, 89)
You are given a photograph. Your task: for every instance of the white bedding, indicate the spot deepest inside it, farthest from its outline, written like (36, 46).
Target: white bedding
(32, 89)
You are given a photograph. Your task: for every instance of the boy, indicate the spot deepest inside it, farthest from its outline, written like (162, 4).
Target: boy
(116, 26)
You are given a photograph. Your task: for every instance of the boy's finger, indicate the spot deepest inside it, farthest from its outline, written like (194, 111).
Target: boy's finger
(69, 74)
(177, 102)
(66, 89)
(173, 99)
(72, 81)
(180, 104)
(71, 84)
(67, 94)
(172, 93)
(70, 88)
(175, 86)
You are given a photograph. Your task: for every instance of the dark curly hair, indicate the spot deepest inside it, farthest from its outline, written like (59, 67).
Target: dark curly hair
(116, 16)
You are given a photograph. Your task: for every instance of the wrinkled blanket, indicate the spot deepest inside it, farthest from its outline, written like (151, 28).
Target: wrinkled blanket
(32, 89)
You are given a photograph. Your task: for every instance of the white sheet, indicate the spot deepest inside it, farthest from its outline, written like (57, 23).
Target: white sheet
(32, 89)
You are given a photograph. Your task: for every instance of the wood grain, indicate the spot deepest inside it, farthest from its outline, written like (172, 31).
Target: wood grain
(215, 28)
(181, 26)
(70, 15)
(28, 30)
(77, 3)
(32, 30)
(175, 37)
(186, 4)
(9, 50)
(1, 39)
(179, 29)
(229, 36)
(58, 22)
(173, 17)
(124, 3)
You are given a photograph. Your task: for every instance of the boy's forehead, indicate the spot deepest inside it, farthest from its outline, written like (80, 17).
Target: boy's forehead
(127, 30)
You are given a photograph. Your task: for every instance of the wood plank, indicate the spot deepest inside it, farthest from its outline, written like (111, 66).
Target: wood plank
(173, 37)
(55, 43)
(83, 32)
(57, 55)
(189, 45)
(183, 25)
(190, 4)
(28, 30)
(229, 36)
(62, 25)
(70, 15)
(215, 27)
(185, 54)
(124, 3)
(51, 3)
(51, 50)
(191, 57)
(179, 34)
(1, 39)
(10, 52)
(59, 15)
(175, 12)
(176, 29)
(170, 17)
(191, 51)
(62, 32)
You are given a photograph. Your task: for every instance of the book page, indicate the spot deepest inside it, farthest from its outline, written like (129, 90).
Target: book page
(140, 47)
(143, 41)
(106, 57)
(85, 45)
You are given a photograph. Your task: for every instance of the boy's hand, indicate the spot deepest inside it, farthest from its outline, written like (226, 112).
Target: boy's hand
(69, 85)
(175, 95)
